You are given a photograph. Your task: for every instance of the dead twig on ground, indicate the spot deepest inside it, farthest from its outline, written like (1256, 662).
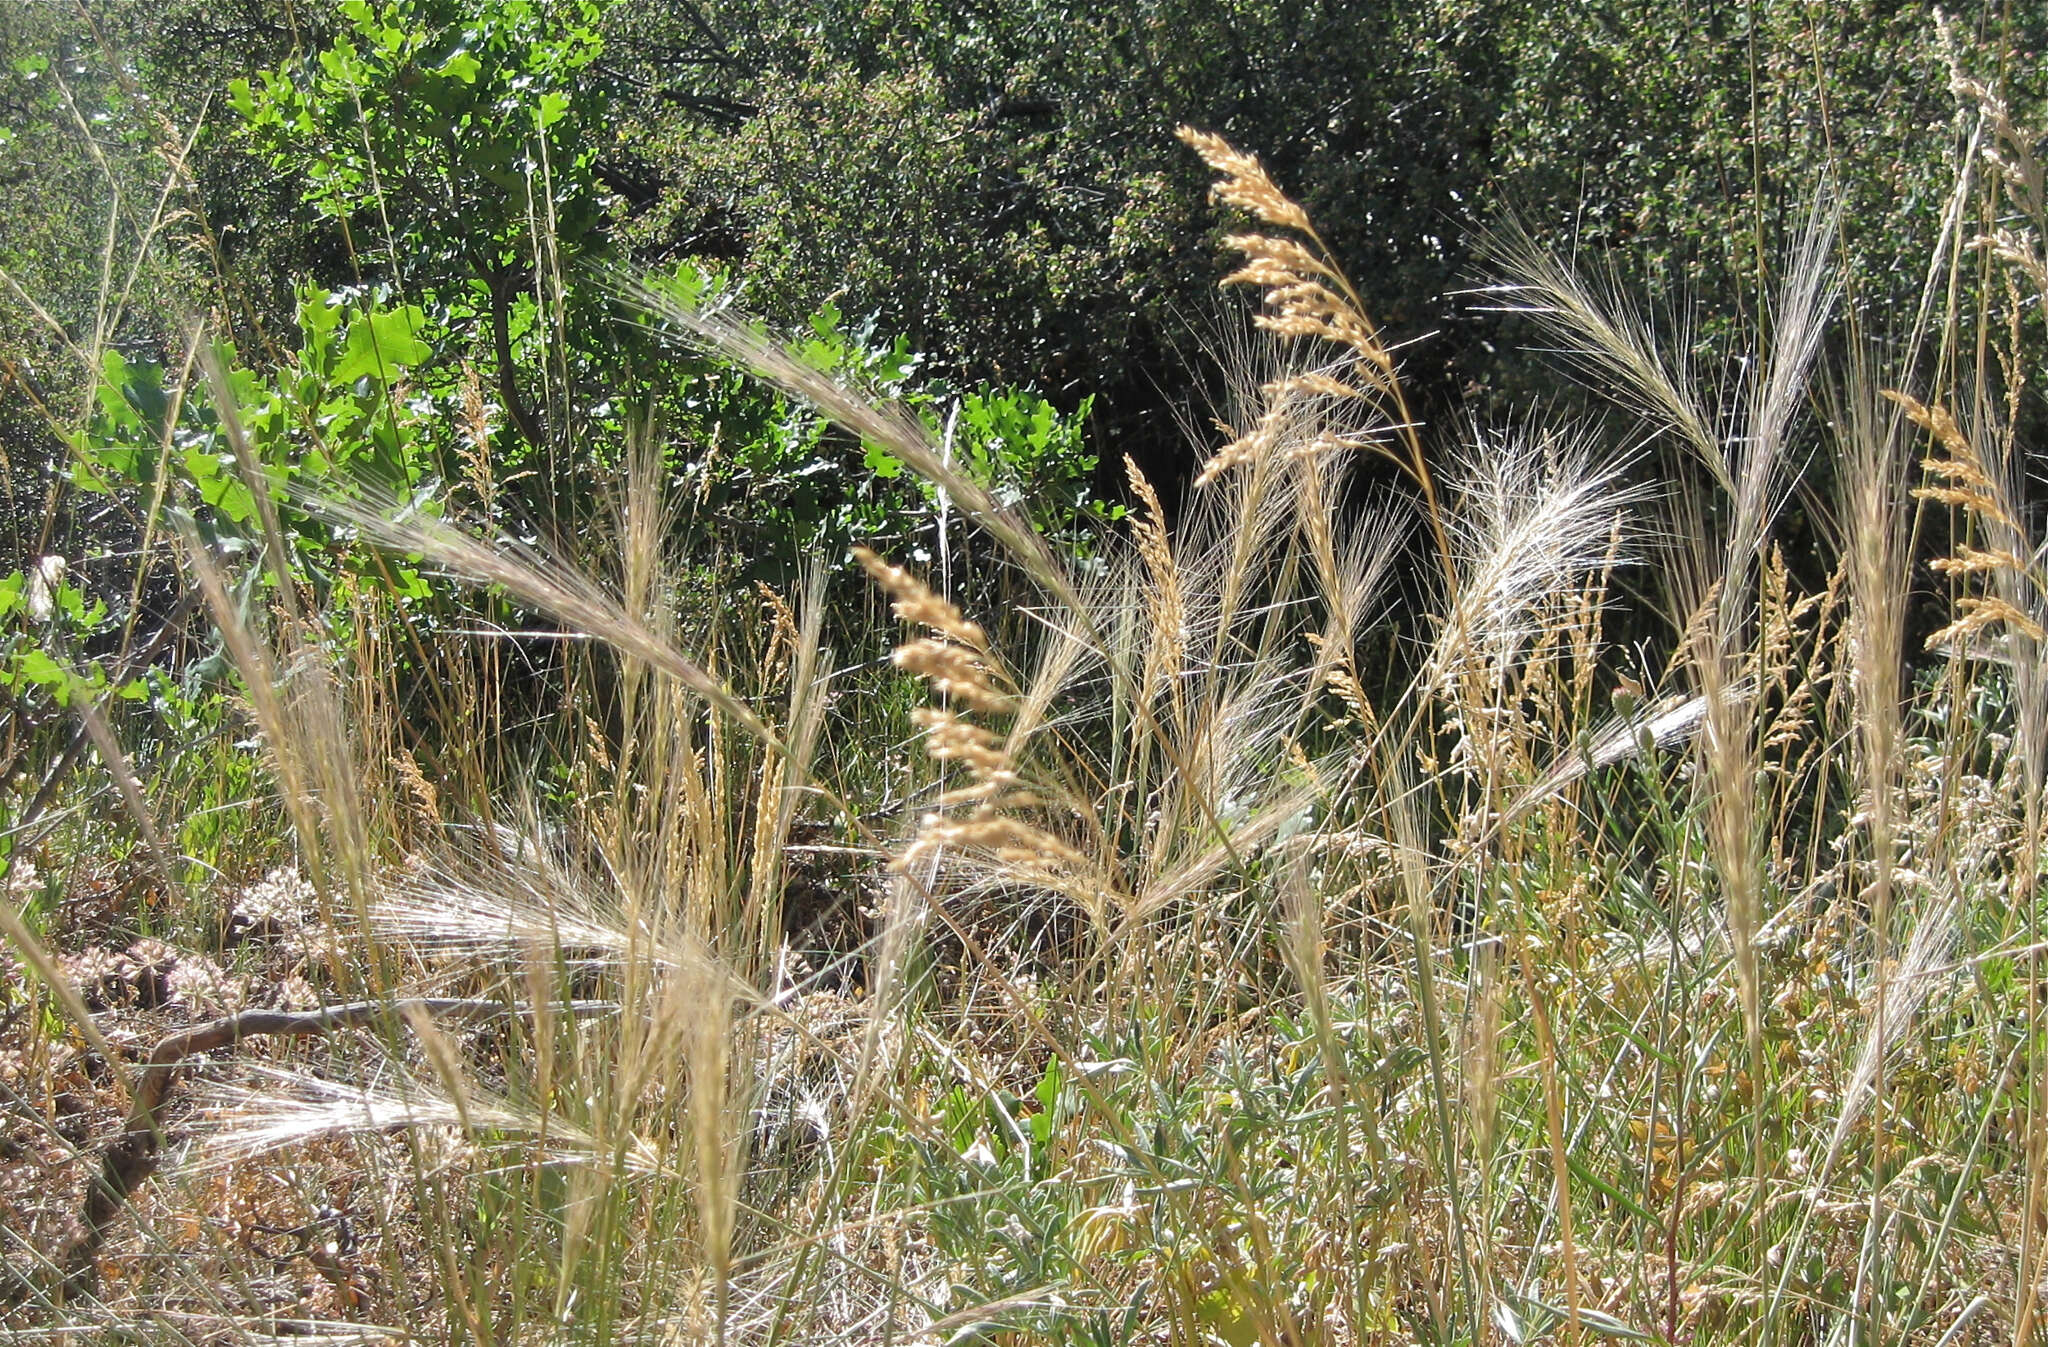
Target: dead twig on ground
(133, 1155)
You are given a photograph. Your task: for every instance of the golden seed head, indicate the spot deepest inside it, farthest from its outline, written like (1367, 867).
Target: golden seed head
(1242, 181)
(916, 604)
(1981, 613)
(953, 672)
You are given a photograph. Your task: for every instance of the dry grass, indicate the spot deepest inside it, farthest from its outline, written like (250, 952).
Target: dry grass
(1220, 982)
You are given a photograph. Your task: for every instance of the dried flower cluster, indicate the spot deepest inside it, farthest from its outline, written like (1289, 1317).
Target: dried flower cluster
(1962, 481)
(1307, 295)
(956, 661)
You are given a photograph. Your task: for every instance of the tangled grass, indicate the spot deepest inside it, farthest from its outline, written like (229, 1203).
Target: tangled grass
(1306, 924)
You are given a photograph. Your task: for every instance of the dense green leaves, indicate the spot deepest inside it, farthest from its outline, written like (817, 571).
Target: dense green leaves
(331, 416)
(1001, 182)
(452, 127)
(995, 189)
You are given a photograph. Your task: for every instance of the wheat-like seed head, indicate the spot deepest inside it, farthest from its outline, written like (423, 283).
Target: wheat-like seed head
(1966, 483)
(1342, 682)
(1939, 422)
(1165, 599)
(953, 738)
(1011, 840)
(415, 781)
(784, 635)
(1312, 382)
(1970, 560)
(1305, 291)
(1242, 180)
(953, 671)
(1249, 447)
(2015, 248)
(1980, 614)
(2008, 148)
(1304, 307)
(915, 603)
(1307, 295)
(473, 445)
(956, 663)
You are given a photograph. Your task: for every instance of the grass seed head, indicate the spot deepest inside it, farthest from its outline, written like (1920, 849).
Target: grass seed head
(953, 672)
(917, 604)
(1242, 181)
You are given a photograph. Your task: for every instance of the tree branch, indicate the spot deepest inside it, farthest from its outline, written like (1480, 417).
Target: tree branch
(132, 1157)
(523, 422)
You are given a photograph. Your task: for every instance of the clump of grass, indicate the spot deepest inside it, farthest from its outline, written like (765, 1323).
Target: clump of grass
(1224, 981)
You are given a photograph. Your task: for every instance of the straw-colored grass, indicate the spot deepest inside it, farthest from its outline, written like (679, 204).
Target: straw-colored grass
(1254, 948)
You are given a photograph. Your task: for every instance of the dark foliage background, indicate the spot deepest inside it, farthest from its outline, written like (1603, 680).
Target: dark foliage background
(997, 184)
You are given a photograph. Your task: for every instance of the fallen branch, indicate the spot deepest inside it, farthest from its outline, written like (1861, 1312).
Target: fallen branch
(132, 1156)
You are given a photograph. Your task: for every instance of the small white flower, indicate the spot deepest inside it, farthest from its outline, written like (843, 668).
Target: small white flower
(43, 582)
